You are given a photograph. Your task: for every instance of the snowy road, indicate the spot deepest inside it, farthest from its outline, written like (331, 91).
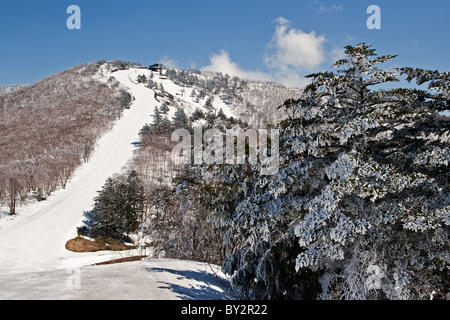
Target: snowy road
(32, 246)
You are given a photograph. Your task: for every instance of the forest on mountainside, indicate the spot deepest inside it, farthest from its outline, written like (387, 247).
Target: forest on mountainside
(50, 127)
(359, 208)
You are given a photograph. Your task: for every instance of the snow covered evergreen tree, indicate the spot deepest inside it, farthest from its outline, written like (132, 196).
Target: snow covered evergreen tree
(117, 209)
(360, 206)
(164, 107)
(157, 118)
(180, 119)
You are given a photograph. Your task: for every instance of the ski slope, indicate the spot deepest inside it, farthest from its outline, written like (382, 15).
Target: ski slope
(34, 242)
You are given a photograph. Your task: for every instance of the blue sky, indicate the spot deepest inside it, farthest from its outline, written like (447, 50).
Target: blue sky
(273, 40)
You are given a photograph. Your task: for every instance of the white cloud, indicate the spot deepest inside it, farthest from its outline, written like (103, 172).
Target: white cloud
(291, 54)
(221, 62)
(293, 48)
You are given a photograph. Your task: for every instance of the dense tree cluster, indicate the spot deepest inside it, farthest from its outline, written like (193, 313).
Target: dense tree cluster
(175, 224)
(117, 211)
(252, 100)
(360, 206)
(178, 228)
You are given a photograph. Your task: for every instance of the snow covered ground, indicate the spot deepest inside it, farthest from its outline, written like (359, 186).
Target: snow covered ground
(139, 280)
(33, 260)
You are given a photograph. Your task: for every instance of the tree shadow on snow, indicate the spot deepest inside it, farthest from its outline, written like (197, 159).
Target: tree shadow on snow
(207, 287)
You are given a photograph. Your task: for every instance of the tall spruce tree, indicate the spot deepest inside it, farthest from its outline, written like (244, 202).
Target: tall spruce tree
(117, 209)
(180, 119)
(164, 107)
(360, 206)
(135, 200)
(100, 221)
(156, 117)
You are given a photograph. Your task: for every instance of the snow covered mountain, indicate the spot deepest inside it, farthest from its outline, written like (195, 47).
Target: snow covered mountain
(33, 240)
(357, 208)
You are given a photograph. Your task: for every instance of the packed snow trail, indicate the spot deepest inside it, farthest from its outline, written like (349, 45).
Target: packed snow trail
(165, 279)
(35, 240)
